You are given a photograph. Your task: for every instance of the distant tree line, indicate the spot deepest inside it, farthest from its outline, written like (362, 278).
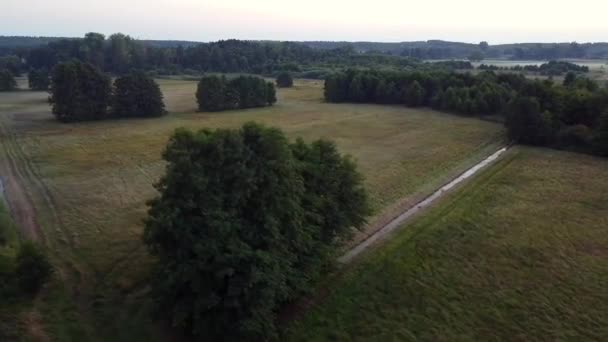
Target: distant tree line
(217, 93)
(245, 222)
(569, 115)
(551, 68)
(120, 54)
(82, 92)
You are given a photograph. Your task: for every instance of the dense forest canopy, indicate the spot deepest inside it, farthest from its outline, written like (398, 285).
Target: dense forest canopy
(119, 52)
(571, 115)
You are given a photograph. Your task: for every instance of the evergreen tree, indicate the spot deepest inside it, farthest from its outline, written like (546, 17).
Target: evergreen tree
(137, 95)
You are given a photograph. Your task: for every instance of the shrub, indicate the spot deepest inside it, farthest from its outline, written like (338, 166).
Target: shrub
(284, 80)
(32, 268)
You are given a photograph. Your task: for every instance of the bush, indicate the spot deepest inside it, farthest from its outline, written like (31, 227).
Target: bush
(7, 80)
(79, 92)
(137, 95)
(284, 80)
(32, 268)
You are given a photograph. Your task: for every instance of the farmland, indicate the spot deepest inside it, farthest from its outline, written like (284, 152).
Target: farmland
(517, 254)
(88, 184)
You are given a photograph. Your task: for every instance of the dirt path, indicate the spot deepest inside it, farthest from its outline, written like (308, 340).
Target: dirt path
(399, 220)
(15, 195)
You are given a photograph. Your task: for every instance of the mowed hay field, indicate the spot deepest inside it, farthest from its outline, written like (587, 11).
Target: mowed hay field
(518, 254)
(89, 183)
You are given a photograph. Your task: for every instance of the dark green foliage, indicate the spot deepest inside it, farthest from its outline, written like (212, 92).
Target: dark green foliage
(218, 93)
(414, 95)
(525, 122)
(243, 223)
(32, 268)
(7, 80)
(137, 95)
(11, 63)
(600, 140)
(284, 80)
(211, 94)
(39, 79)
(79, 92)
(540, 112)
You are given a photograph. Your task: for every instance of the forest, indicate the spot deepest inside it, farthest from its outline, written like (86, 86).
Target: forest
(572, 115)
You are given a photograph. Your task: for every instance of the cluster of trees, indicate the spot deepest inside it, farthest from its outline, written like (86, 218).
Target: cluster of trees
(217, 93)
(552, 68)
(565, 115)
(120, 54)
(82, 92)
(39, 79)
(284, 80)
(7, 80)
(246, 221)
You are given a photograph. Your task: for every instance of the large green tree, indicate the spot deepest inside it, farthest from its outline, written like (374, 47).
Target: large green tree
(7, 81)
(79, 92)
(243, 222)
(137, 95)
(211, 93)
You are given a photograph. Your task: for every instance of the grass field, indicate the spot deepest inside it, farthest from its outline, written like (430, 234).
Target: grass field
(518, 254)
(88, 183)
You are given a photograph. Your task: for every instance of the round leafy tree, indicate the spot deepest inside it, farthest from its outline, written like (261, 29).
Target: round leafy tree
(79, 92)
(284, 80)
(243, 222)
(137, 95)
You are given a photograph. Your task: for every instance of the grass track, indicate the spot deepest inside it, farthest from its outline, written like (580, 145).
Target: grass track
(518, 254)
(88, 183)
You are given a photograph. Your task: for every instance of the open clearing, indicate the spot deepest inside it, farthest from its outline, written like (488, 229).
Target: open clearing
(88, 184)
(519, 253)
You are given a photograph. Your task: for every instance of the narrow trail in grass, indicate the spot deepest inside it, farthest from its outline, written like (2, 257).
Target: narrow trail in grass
(424, 204)
(14, 194)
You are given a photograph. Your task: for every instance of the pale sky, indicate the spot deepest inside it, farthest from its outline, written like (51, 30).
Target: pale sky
(371, 20)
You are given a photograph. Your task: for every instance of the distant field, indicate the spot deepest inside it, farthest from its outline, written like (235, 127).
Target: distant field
(518, 254)
(89, 182)
(593, 64)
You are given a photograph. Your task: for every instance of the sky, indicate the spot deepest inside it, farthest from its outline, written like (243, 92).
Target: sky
(372, 20)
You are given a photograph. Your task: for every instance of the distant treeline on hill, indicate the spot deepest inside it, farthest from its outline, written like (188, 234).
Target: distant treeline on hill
(552, 68)
(120, 53)
(572, 115)
(439, 49)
